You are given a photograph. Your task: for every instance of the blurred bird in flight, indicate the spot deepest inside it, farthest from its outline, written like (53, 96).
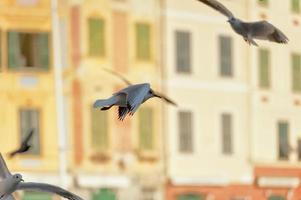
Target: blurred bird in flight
(262, 30)
(130, 98)
(25, 144)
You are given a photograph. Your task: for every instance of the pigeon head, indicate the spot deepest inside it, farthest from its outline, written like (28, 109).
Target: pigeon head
(232, 20)
(150, 94)
(17, 177)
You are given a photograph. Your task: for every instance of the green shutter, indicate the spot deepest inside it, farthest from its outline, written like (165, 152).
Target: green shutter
(146, 129)
(96, 37)
(295, 6)
(283, 139)
(104, 194)
(13, 50)
(227, 147)
(143, 48)
(29, 119)
(225, 43)
(183, 51)
(296, 72)
(99, 122)
(274, 197)
(36, 196)
(264, 68)
(263, 2)
(190, 197)
(43, 50)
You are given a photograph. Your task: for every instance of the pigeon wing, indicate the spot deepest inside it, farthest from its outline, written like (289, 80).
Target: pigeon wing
(219, 7)
(9, 197)
(4, 172)
(43, 187)
(126, 81)
(168, 100)
(266, 31)
(136, 95)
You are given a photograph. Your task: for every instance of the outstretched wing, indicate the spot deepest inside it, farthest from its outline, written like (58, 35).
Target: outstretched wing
(266, 31)
(8, 197)
(136, 95)
(168, 100)
(219, 7)
(4, 172)
(43, 187)
(118, 75)
(29, 136)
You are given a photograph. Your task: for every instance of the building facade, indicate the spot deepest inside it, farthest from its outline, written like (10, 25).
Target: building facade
(238, 137)
(114, 159)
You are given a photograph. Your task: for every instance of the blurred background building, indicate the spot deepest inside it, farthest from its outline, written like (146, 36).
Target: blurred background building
(235, 134)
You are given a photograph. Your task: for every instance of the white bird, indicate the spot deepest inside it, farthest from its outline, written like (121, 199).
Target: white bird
(10, 183)
(262, 30)
(130, 98)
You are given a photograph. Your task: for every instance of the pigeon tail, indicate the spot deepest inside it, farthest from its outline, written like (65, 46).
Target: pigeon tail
(105, 104)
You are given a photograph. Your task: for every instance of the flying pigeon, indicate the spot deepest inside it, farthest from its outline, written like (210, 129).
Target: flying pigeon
(10, 183)
(262, 30)
(130, 98)
(25, 146)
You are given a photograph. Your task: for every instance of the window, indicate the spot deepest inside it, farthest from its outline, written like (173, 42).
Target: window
(100, 137)
(143, 41)
(226, 124)
(263, 2)
(28, 50)
(296, 72)
(295, 4)
(299, 149)
(185, 132)
(225, 48)
(104, 194)
(36, 196)
(283, 144)
(96, 37)
(274, 197)
(30, 119)
(264, 68)
(146, 125)
(183, 51)
(190, 197)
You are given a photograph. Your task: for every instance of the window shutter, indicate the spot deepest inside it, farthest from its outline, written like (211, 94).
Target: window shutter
(29, 119)
(283, 140)
(146, 132)
(185, 129)
(225, 56)
(190, 197)
(227, 133)
(295, 6)
(99, 122)
(36, 196)
(13, 50)
(264, 68)
(143, 49)
(296, 76)
(183, 51)
(43, 50)
(104, 194)
(96, 37)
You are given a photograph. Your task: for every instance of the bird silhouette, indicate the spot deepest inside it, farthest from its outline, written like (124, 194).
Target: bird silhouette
(10, 183)
(262, 30)
(130, 98)
(25, 144)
